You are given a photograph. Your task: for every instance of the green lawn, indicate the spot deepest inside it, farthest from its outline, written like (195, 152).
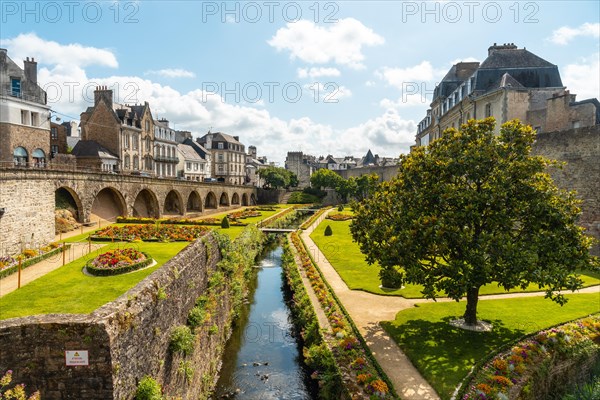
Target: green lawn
(68, 290)
(345, 256)
(444, 354)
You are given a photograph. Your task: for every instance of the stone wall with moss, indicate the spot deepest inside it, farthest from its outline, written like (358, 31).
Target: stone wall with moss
(127, 338)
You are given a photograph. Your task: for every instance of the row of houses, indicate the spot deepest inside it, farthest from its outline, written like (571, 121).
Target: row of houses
(111, 137)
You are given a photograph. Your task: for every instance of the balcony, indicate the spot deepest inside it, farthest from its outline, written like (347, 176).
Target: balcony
(173, 160)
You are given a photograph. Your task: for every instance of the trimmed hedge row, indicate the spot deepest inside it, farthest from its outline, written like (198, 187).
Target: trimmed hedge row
(313, 218)
(30, 261)
(118, 271)
(207, 221)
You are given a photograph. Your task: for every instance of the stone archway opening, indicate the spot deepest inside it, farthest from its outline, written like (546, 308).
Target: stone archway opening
(146, 205)
(244, 199)
(210, 201)
(108, 205)
(194, 203)
(235, 199)
(68, 211)
(224, 200)
(173, 204)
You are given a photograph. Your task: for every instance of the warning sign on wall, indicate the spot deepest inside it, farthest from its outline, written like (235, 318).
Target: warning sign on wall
(76, 357)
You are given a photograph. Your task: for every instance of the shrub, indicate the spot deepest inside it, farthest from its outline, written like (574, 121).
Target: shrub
(29, 253)
(196, 316)
(390, 278)
(17, 392)
(303, 198)
(182, 340)
(225, 223)
(341, 208)
(148, 389)
(328, 231)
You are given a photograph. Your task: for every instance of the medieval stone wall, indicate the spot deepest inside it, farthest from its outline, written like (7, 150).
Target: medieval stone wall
(126, 339)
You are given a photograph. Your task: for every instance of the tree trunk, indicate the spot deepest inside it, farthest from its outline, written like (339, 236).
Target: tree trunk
(471, 311)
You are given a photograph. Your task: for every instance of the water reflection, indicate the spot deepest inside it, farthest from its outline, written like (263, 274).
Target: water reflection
(262, 359)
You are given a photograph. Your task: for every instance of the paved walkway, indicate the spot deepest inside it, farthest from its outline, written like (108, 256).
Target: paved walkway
(367, 310)
(33, 272)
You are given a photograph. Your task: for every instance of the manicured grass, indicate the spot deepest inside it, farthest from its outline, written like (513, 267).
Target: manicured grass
(445, 354)
(345, 256)
(68, 290)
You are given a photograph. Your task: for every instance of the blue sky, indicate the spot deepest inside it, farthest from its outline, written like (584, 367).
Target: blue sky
(321, 77)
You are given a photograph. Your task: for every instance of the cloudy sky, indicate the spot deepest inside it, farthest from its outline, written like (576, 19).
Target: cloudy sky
(321, 77)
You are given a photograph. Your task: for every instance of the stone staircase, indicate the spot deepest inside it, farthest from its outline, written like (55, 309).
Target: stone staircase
(286, 196)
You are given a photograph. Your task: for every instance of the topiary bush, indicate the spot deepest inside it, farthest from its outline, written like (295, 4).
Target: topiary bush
(328, 231)
(225, 223)
(390, 278)
(341, 208)
(182, 340)
(148, 389)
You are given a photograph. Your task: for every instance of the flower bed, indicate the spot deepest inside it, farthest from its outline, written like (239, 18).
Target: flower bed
(515, 371)
(339, 217)
(312, 218)
(249, 213)
(165, 221)
(148, 233)
(361, 374)
(9, 265)
(116, 262)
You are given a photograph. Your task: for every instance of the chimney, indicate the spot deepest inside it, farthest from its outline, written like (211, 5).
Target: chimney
(102, 92)
(164, 121)
(237, 138)
(2, 56)
(30, 70)
(505, 46)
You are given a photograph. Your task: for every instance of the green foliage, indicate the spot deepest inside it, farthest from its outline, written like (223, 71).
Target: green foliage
(340, 208)
(182, 340)
(185, 368)
(472, 208)
(196, 316)
(328, 231)
(303, 198)
(225, 223)
(277, 177)
(148, 389)
(391, 277)
(325, 178)
(315, 192)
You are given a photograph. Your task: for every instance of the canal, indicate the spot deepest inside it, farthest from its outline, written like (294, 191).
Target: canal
(263, 357)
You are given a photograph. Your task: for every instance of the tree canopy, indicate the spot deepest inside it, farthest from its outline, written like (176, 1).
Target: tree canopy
(277, 177)
(474, 208)
(325, 178)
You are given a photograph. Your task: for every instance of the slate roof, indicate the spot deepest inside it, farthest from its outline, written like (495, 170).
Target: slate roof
(514, 58)
(91, 148)
(188, 152)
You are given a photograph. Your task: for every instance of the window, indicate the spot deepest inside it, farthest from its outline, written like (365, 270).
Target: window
(39, 158)
(220, 169)
(147, 126)
(127, 162)
(35, 119)
(136, 163)
(20, 157)
(24, 117)
(135, 142)
(488, 110)
(15, 87)
(54, 149)
(188, 166)
(195, 166)
(220, 145)
(126, 141)
(220, 157)
(147, 144)
(53, 133)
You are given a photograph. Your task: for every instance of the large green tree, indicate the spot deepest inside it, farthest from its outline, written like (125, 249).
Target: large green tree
(325, 178)
(277, 177)
(474, 208)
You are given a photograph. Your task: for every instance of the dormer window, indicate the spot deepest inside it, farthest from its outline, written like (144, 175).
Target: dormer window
(15, 87)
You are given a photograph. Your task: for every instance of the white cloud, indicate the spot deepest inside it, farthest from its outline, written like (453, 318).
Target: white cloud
(401, 77)
(565, 34)
(197, 111)
(583, 78)
(49, 52)
(317, 72)
(341, 42)
(172, 73)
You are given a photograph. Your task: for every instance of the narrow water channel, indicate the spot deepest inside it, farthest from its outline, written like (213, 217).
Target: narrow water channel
(262, 359)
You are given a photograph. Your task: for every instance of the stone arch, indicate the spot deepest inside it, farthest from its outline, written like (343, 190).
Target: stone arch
(173, 203)
(252, 200)
(244, 199)
(194, 202)
(235, 199)
(146, 204)
(67, 198)
(210, 201)
(224, 200)
(108, 204)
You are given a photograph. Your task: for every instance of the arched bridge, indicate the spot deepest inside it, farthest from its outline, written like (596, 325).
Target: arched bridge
(27, 200)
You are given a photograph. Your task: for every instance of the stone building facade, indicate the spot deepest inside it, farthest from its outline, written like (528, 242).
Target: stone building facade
(510, 83)
(58, 139)
(165, 150)
(303, 165)
(24, 115)
(228, 157)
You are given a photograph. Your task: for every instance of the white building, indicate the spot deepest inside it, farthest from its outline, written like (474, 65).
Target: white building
(192, 166)
(165, 150)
